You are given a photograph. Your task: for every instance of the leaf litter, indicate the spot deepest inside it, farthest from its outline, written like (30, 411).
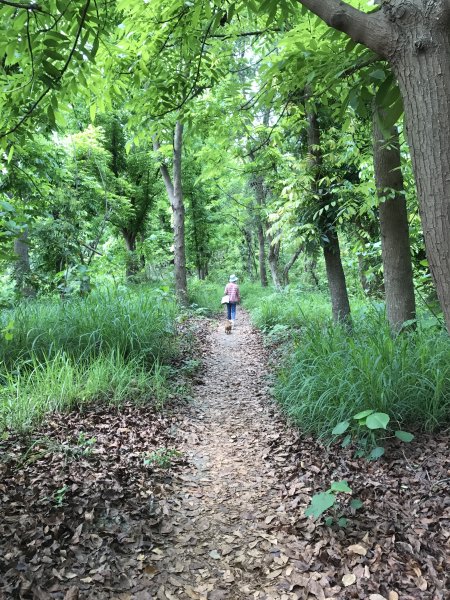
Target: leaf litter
(226, 520)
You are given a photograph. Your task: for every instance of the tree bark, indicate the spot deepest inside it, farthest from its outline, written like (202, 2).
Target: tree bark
(394, 229)
(131, 261)
(22, 270)
(331, 250)
(273, 259)
(336, 279)
(414, 37)
(175, 194)
(290, 263)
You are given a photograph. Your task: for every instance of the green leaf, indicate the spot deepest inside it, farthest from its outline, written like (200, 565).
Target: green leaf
(363, 414)
(356, 503)
(376, 453)
(320, 503)
(377, 420)
(346, 441)
(405, 436)
(329, 521)
(341, 486)
(341, 428)
(92, 111)
(342, 522)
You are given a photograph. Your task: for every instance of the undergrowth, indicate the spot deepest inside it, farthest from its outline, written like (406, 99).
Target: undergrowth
(330, 374)
(113, 346)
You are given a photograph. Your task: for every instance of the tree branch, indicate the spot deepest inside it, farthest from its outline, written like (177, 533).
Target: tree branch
(36, 103)
(31, 6)
(370, 29)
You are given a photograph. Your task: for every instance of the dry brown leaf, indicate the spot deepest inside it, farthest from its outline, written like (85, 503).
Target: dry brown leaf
(376, 597)
(72, 593)
(393, 596)
(421, 583)
(348, 579)
(357, 549)
(275, 574)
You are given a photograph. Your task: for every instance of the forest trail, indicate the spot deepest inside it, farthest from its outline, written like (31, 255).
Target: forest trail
(225, 534)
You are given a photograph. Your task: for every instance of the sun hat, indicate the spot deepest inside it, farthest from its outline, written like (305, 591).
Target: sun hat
(233, 278)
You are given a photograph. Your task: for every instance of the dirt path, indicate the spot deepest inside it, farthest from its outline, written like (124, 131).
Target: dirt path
(225, 535)
(81, 521)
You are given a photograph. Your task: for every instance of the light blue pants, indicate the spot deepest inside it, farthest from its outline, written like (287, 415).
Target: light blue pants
(231, 311)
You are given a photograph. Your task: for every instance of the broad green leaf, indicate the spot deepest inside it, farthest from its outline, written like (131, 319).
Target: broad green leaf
(376, 453)
(363, 414)
(342, 522)
(341, 428)
(341, 486)
(405, 436)
(377, 421)
(320, 503)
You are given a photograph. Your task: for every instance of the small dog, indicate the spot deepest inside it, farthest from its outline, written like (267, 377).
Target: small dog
(228, 328)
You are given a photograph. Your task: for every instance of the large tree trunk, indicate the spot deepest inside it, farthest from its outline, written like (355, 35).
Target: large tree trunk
(22, 270)
(414, 37)
(425, 85)
(175, 193)
(336, 279)
(395, 246)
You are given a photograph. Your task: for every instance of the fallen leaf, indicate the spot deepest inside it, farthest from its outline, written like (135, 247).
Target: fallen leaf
(357, 549)
(348, 579)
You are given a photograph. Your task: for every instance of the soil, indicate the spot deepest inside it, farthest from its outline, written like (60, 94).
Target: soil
(224, 517)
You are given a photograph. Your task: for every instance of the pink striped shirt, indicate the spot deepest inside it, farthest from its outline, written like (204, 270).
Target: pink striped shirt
(232, 290)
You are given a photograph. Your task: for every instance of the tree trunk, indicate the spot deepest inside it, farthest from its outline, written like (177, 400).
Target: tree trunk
(311, 266)
(273, 258)
(290, 263)
(427, 108)
(131, 261)
(336, 279)
(22, 270)
(331, 251)
(262, 255)
(175, 193)
(395, 246)
(414, 37)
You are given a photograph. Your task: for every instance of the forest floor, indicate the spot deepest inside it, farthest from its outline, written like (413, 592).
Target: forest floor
(105, 519)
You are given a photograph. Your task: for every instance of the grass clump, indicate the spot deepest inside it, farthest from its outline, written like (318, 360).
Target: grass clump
(112, 346)
(334, 374)
(134, 322)
(205, 296)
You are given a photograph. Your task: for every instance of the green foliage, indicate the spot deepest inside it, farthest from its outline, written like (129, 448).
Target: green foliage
(137, 322)
(110, 347)
(363, 428)
(162, 458)
(333, 374)
(205, 295)
(323, 501)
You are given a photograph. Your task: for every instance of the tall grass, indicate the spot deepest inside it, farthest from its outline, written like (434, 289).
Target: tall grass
(205, 296)
(135, 323)
(330, 374)
(111, 346)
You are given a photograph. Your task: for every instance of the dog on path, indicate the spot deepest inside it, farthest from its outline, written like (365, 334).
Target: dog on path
(228, 328)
